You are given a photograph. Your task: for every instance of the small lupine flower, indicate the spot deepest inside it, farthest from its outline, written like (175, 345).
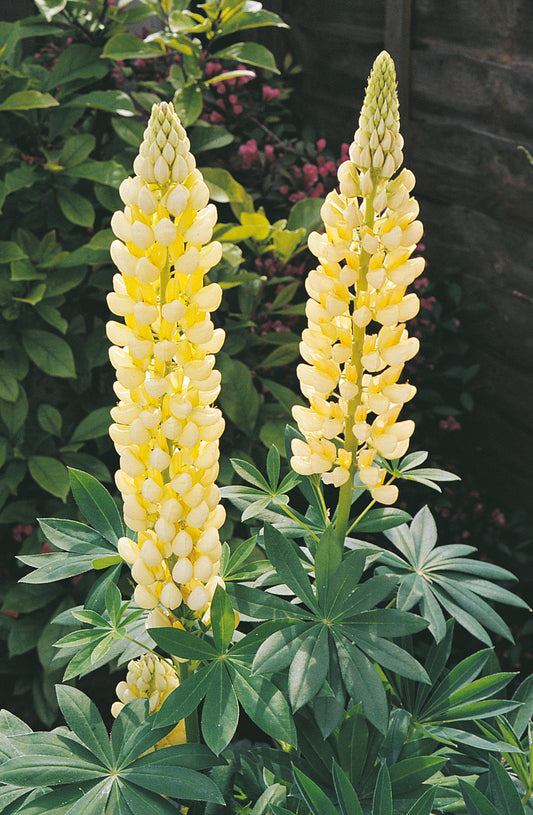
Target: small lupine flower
(356, 343)
(152, 678)
(165, 429)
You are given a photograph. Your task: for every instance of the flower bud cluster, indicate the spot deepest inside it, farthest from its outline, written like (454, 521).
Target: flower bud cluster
(356, 343)
(152, 678)
(166, 430)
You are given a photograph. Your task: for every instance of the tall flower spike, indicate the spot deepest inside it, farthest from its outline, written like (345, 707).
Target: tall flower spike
(154, 679)
(356, 343)
(165, 429)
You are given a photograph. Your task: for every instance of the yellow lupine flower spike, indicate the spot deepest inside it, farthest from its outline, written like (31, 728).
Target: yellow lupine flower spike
(165, 429)
(356, 343)
(154, 679)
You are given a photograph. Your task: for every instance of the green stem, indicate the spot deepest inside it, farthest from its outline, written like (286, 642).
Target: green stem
(298, 521)
(350, 442)
(192, 729)
(165, 278)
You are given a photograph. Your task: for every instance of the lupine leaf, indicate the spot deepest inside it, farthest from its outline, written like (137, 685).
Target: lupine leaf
(262, 605)
(278, 650)
(315, 798)
(327, 566)
(96, 504)
(220, 713)
(289, 566)
(476, 802)
(179, 782)
(363, 683)
(382, 801)
(309, 667)
(250, 474)
(264, 704)
(407, 775)
(44, 770)
(424, 804)
(348, 801)
(378, 520)
(82, 716)
(183, 643)
(185, 698)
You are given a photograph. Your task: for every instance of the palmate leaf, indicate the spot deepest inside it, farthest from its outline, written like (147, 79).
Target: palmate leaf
(432, 578)
(88, 774)
(341, 620)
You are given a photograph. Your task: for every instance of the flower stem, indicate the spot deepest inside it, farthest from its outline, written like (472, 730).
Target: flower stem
(192, 729)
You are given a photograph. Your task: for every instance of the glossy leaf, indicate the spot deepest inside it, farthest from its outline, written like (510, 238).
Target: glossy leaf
(49, 352)
(250, 53)
(50, 474)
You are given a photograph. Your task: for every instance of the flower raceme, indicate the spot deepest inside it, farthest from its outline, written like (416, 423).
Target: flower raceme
(166, 429)
(356, 343)
(152, 678)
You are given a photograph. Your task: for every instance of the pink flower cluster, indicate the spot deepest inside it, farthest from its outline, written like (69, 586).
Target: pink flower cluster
(228, 102)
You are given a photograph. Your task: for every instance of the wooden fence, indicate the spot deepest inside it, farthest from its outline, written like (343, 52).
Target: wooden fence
(465, 70)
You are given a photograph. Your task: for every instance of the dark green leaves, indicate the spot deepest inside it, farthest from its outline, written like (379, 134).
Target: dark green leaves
(105, 772)
(49, 352)
(434, 577)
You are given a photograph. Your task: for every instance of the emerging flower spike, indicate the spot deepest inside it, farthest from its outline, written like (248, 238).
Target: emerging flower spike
(154, 679)
(356, 343)
(165, 429)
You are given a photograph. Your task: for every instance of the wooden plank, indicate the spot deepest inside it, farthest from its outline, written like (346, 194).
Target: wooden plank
(462, 164)
(464, 85)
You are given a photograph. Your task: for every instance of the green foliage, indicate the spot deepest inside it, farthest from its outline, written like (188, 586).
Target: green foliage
(83, 769)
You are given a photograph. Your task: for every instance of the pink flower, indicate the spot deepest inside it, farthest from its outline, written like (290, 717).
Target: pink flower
(449, 424)
(269, 152)
(310, 173)
(344, 151)
(249, 154)
(20, 531)
(317, 191)
(237, 109)
(284, 189)
(296, 196)
(320, 145)
(497, 517)
(212, 68)
(269, 93)
(215, 118)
